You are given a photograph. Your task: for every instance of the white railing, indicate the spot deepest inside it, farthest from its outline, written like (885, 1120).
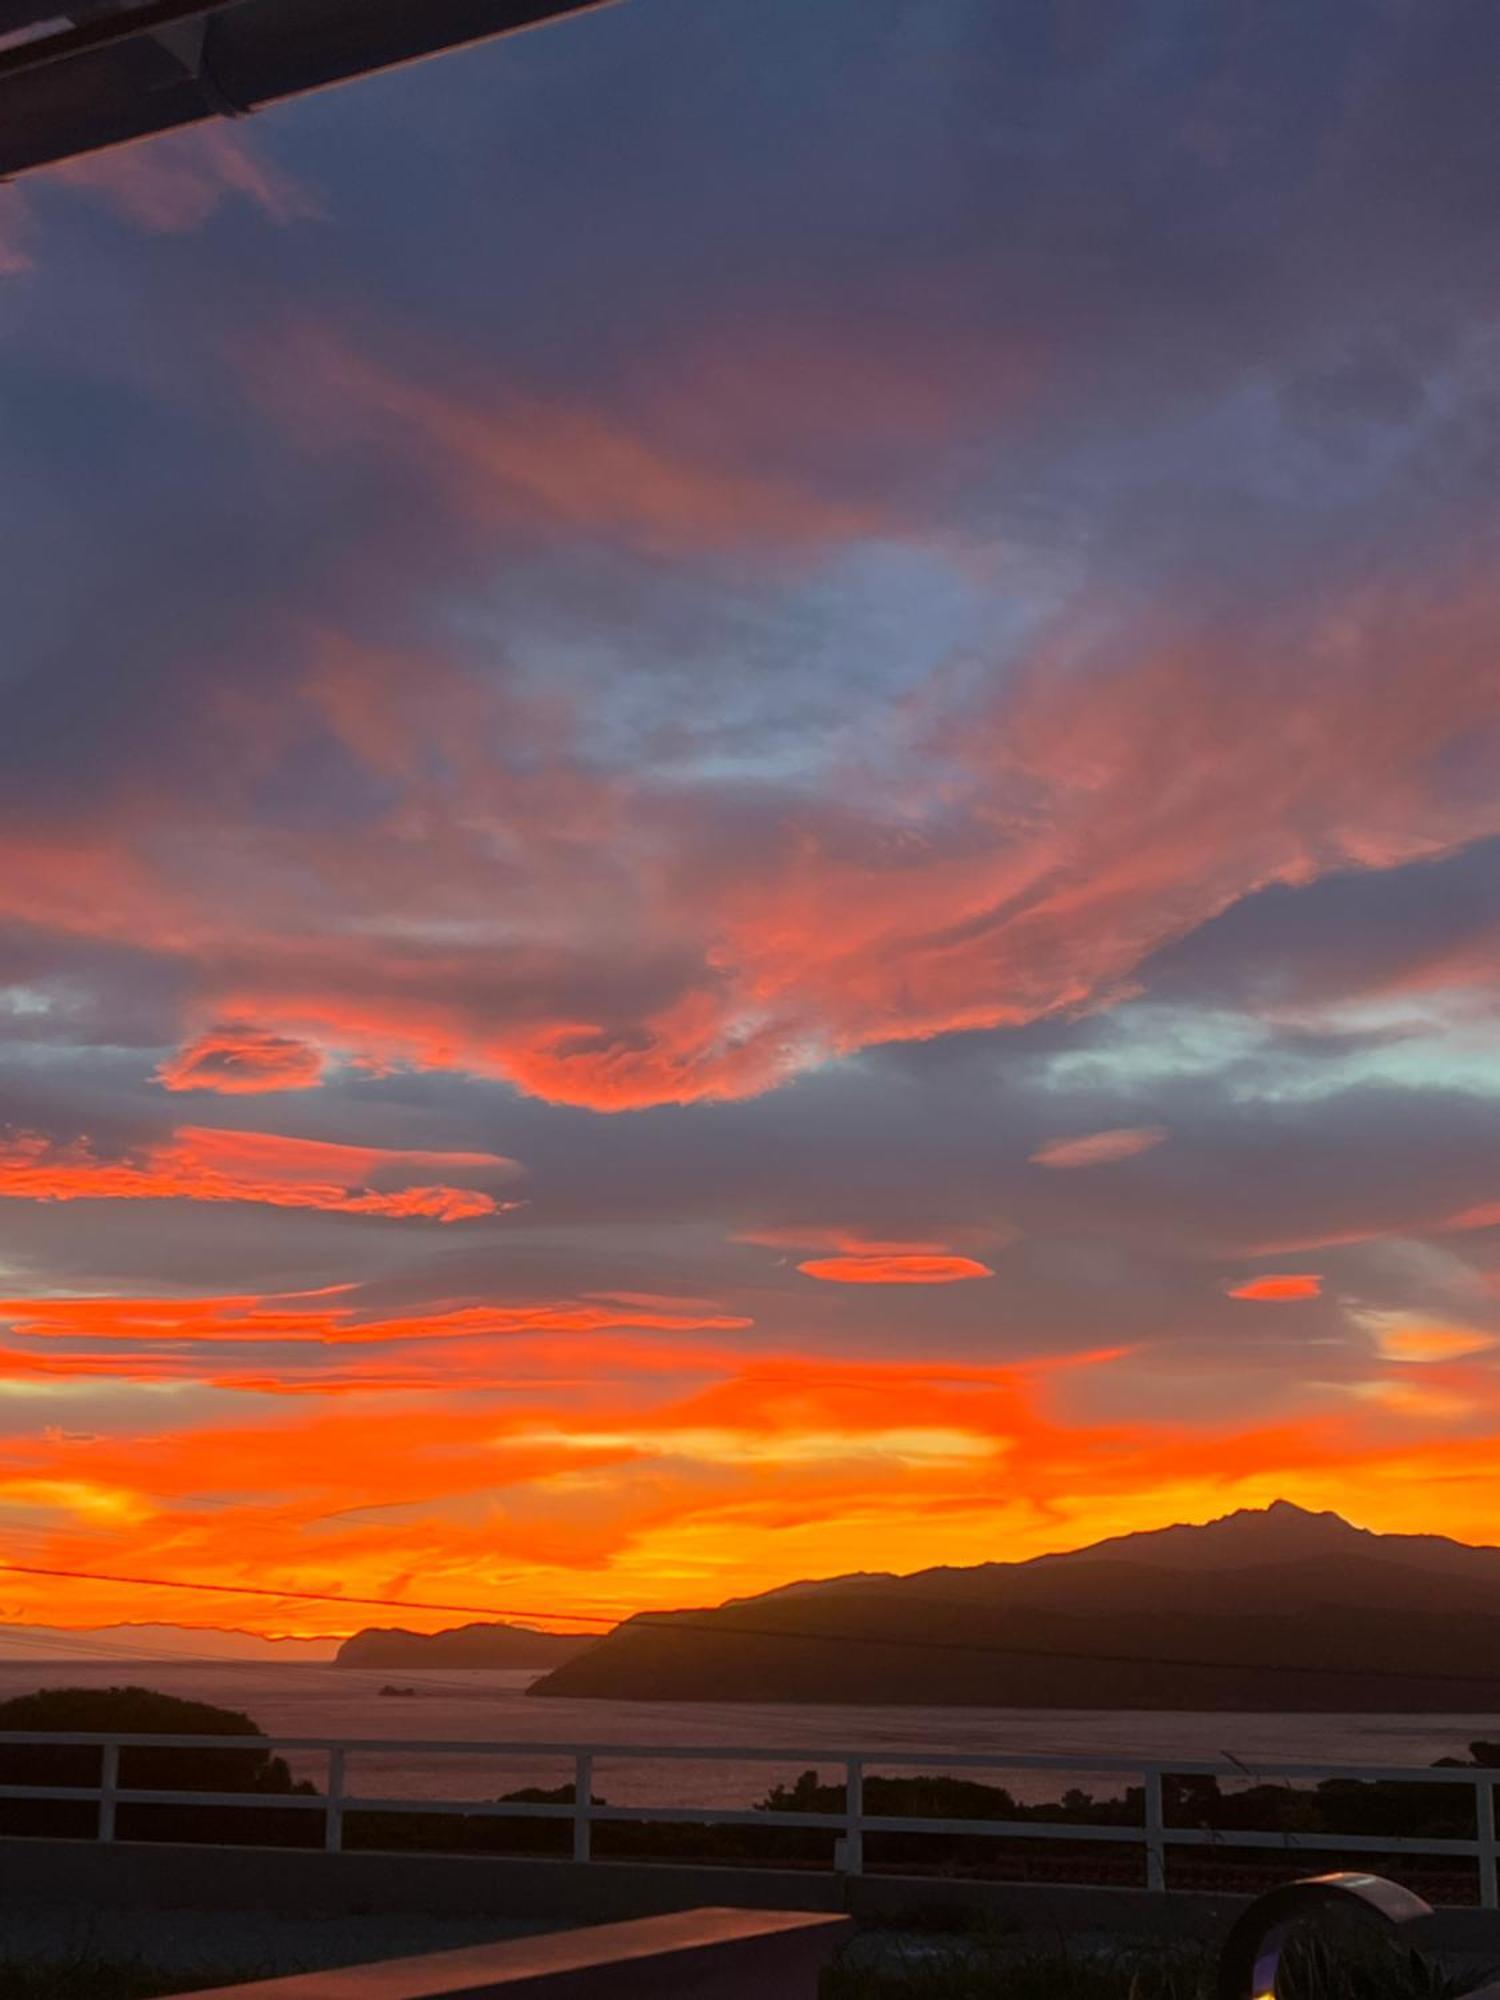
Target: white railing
(1153, 1835)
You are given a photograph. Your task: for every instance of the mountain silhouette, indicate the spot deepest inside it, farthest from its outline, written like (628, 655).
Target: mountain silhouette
(1273, 1608)
(460, 1646)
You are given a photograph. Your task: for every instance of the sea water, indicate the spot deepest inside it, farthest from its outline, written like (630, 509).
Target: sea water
(493, 1708)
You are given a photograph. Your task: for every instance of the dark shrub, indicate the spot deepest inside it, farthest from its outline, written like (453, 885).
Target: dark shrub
(137, 1711)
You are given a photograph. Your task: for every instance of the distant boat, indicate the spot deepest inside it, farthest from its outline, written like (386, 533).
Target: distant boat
(390, 1688)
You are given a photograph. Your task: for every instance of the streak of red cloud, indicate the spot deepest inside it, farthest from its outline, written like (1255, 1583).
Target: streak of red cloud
(530, 1360)
(202, 1164)
(895, 1269)
(1286, 1285)
(523, 457)
(333, 1318)
(1486, 1215)
(1097, 1149)
(238, 1059)
(1412, 1218)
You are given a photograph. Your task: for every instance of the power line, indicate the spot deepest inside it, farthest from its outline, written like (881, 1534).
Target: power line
(301, 1596)
(63, 1646)
(674, 1622)
(64, 1649)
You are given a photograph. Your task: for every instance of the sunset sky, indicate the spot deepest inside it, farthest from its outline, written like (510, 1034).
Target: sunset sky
(750, 807)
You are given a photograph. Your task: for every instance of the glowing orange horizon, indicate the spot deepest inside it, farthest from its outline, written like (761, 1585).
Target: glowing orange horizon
(663, 1570)
(613, 1455)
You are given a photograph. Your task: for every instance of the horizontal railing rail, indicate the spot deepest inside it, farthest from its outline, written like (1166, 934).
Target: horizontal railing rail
(1153, 1834)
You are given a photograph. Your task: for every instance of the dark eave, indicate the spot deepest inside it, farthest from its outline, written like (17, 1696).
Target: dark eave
(107, 74)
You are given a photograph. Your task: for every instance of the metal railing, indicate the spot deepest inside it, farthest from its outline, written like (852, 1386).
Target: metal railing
(1154, 1835)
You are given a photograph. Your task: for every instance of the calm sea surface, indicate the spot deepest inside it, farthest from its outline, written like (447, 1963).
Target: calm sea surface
(493, 1708)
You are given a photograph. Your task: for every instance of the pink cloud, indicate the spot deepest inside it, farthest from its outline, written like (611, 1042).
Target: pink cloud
(1485, 1215)
(637, 947)
(236, 1059)
(15, 224)
(1097, 1149)
(174, 184)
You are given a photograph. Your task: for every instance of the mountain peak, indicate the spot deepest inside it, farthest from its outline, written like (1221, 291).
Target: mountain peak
(1286, 1517)
(1280, 1532)
(1266, 1607)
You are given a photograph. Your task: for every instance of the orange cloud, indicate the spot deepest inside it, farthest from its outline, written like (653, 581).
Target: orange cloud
(864, 1260)
(1399, 1337)
(238, 1059)
(333, 1317)
(1096, 1149)
(895, 1268)
(204, 1164)
(1287, 1285)
(83, 1499)
(1408, 1398)
(670, 1482)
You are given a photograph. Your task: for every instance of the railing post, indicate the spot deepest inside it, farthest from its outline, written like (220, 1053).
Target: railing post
(1156, 1846)
(583, 1799)
(109, 1785)
(1484, 1821)
(854, 1817)
(333, 1818)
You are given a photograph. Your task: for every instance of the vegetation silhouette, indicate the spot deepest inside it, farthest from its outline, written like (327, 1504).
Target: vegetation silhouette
(1311, 1819)
(139, 1711)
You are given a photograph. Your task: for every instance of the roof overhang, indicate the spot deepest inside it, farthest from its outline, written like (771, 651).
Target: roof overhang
(80, 75)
